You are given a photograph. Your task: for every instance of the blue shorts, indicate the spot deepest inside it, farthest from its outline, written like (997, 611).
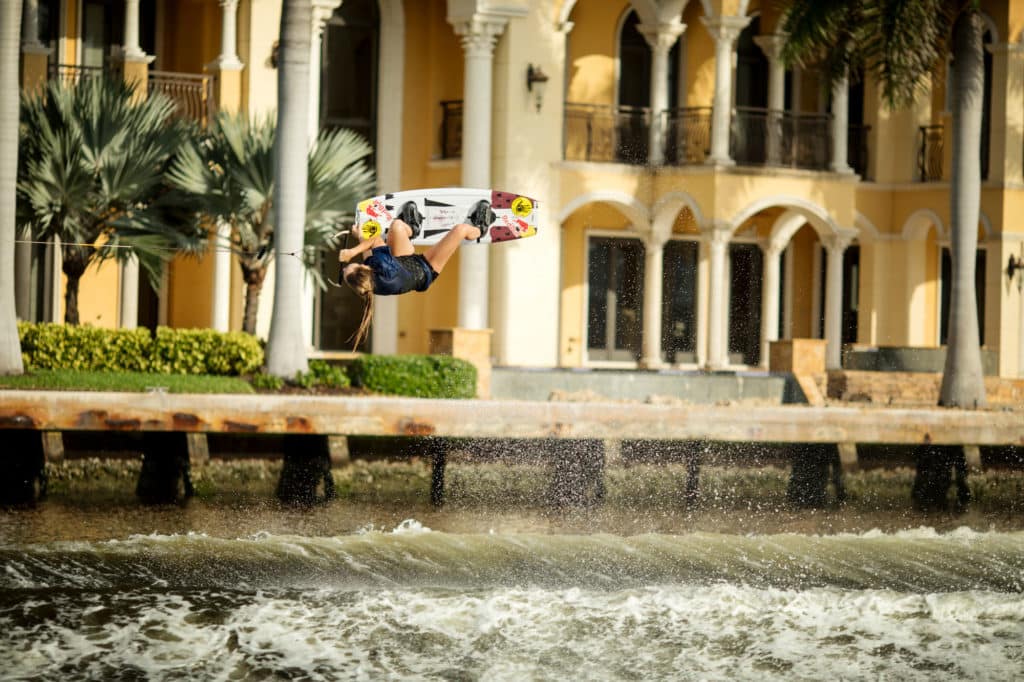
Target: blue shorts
(399, 275)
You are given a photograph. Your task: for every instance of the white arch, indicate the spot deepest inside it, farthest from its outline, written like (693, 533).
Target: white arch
(784, 227)
(986, 224)
(990, 27)
(916, 226)
(673, 202)
(625, 203)
(391, 77)
(815, 215)
(866, 230)
(567, 8)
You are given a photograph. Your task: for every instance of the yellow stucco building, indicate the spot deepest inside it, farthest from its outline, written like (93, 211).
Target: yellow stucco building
(699, 199)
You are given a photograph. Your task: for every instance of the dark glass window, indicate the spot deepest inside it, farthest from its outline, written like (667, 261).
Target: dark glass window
(746, 266)
(615, 304)
(947, 293)
(679, 302)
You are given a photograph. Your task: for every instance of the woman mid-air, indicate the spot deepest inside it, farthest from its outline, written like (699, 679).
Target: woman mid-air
(391, 268)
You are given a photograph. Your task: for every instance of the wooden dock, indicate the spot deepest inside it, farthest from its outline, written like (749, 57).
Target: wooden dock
(498, 419)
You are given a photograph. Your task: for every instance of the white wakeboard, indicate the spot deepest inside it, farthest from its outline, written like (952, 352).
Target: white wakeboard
(514, 215)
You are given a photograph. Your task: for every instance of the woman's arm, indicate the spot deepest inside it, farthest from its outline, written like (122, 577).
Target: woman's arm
(346, 255)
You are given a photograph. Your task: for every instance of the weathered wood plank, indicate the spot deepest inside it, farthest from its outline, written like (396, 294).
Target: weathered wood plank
(389, 416)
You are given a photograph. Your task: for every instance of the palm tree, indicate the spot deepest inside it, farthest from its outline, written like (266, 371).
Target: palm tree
(10, 22)
(286, 351)
(91, 173)
(228, 174)
(900, 44)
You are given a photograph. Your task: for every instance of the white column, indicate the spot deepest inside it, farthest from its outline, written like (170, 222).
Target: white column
(833, 332)
(132, 49)
(479, 35)
(661, 38)
(770, 299)
(228, 57)
(222, 278)
(129, 294)
(771, 45)
(840, 126)
(322, 11)
(724, 30)
(650, 354)
(718, 298)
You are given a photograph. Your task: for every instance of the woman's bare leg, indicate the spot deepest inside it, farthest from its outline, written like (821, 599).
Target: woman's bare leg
(438, 254)
(398, 238)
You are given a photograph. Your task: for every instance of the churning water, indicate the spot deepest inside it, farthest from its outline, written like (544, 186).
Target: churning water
(407, 602)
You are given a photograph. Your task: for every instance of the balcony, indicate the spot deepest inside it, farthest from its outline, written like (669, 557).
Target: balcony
(621, 134)
(192, 94)
(687, 135)
(931, 151)
(761, 137)
(606, 134)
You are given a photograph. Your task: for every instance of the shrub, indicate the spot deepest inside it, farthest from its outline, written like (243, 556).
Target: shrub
(326, 374)
(418, 376)
(59, 346)
(267, 382)
(173, 351)
(204, 351)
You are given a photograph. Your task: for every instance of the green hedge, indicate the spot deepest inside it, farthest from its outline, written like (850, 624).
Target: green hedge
(418, 376)
(173, 351)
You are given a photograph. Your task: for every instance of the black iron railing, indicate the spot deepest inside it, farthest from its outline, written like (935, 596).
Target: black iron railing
(930, 153)
(687, 135)
(595, 132)
(451, 129)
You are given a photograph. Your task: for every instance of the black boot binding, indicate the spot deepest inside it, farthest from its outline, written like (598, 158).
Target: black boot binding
(481, 217)
(411, 216)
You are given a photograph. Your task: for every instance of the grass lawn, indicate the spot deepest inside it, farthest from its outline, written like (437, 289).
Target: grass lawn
(72, 380)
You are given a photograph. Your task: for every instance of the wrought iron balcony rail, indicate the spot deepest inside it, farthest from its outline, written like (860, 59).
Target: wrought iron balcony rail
(191, 93)
(451, 129)
(687, 135)
(595, 132)
(930, 153)
(765, 137)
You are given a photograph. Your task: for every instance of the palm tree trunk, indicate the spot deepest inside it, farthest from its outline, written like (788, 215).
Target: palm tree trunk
(10, 24)
(963, 382)
(74, 263)
(286, 349)
(253, 287)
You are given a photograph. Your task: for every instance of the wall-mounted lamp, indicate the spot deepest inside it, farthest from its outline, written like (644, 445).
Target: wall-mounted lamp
(1015, 266)
(536, 81)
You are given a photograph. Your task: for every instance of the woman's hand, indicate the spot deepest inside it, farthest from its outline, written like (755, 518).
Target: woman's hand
(345, 255)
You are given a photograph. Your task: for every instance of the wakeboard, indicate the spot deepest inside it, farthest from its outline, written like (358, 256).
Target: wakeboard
(505, 217)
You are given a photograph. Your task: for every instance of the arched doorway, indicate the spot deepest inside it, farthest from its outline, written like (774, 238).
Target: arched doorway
(348, 99)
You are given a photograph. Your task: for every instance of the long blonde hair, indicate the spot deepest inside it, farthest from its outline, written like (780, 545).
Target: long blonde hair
(360, 280)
